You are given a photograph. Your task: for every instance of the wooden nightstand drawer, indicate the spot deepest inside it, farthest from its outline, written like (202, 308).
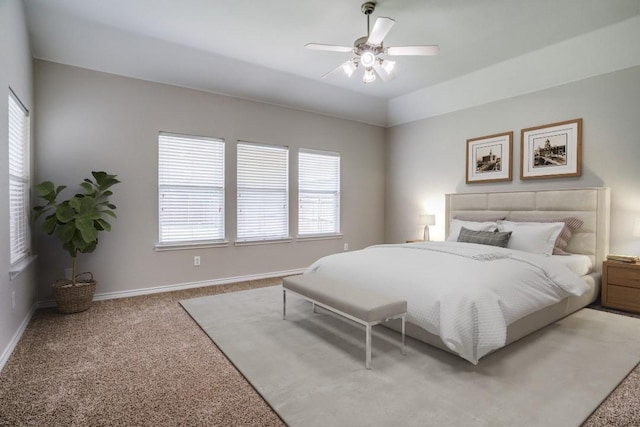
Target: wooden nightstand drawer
(621, 285)
(623, 298)
(623, 276)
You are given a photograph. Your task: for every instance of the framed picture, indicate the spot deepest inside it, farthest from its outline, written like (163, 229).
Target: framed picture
(551, 151)
(489, 158)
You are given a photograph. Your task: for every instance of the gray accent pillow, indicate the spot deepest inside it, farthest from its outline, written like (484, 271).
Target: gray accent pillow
(492, 238)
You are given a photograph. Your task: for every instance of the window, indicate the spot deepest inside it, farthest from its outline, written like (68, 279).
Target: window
(263, 192)
(318, 193)
(19, 232)
(190, 189)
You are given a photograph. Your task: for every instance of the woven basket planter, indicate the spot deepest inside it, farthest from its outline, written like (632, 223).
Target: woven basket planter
(72, 298)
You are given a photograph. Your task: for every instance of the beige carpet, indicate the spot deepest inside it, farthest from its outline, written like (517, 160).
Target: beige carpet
(127, 362)
(143, 361)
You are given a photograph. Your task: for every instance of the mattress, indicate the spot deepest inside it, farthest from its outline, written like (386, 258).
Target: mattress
(522, 327)
(467, 294)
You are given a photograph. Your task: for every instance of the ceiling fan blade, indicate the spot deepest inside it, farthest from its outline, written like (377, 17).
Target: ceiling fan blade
(382, 73)
(413, 50)
(328, 47)
(380, 30)
(339, 69)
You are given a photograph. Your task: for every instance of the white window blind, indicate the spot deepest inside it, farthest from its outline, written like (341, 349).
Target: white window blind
(318, 192)
(19, 233)
(263, 192)
(191, 189)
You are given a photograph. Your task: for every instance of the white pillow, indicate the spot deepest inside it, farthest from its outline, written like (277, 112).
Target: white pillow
(456, 225)
(533, 237)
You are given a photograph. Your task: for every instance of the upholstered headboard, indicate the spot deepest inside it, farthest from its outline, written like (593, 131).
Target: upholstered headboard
(589, 204)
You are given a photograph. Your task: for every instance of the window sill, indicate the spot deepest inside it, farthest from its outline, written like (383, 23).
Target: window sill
(20, 266)
(311, 237)
(262, 242)
(193, 245)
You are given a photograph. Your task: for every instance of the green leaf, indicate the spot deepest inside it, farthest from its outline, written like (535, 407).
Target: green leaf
(90, 247)
(39, 211)
(70, 248)
(99, 176)
(49, 224)
(104, 180)
(110, 213)
(85, 225)
(82, 246)
(65, 213)
(103, 225)
(47, 191)
(65, 232)
(45, 188)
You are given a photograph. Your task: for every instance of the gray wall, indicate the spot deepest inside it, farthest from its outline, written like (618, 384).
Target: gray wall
(426, 158)
(95, 121)
(15, 72)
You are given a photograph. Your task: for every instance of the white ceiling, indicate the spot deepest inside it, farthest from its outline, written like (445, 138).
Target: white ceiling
(255, 49)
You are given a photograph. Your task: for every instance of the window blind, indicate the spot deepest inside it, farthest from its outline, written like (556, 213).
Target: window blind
(318, 192)
(191, 189)
(19, 232)
(263, 192)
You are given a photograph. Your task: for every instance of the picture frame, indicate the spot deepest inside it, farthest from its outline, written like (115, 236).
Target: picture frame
(489, 158)
(551, 151)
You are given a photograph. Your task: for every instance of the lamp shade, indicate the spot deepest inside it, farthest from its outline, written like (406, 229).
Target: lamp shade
(427, 219)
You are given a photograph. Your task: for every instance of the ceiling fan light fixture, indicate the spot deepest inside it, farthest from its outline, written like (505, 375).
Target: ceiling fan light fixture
(366, 50)
(369, 76)
(387, 65)
(367, 58)
(349, 68)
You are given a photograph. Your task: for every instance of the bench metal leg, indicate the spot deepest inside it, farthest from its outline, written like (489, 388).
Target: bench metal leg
(313, 305)
(403, 351)
(368, 345)
(284, 304)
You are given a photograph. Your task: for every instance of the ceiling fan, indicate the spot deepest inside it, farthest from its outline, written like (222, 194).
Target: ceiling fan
(369, 51)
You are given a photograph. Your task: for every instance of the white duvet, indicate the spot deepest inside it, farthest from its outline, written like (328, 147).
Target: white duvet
(465, 293)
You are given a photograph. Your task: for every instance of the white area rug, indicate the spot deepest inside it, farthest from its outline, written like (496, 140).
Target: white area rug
(310, 367)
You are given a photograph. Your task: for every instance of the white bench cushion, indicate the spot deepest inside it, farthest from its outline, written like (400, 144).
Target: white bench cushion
(361, 304)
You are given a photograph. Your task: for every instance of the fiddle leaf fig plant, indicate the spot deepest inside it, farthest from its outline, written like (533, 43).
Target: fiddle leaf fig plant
(76, 222)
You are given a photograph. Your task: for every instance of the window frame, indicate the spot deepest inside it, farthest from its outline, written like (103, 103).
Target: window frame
(214, 190)
(337, 193)
(20, 252)
(247, 239)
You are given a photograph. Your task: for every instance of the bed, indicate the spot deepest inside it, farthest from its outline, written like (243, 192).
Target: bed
(472, 299)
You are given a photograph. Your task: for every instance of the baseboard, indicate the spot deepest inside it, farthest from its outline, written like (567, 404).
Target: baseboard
(181, 286)
(16, 337)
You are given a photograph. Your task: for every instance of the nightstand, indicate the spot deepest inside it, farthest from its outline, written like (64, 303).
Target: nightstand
(621, 285)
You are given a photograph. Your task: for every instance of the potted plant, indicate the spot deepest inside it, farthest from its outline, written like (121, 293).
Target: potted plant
(76, 223)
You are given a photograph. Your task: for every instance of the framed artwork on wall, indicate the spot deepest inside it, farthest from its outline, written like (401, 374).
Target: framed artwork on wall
(551, 151)
(489, 158)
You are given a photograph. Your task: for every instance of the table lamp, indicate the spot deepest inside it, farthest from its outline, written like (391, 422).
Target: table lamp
(427, 220)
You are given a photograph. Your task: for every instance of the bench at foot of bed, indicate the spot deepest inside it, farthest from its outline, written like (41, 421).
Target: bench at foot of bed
(358, 305)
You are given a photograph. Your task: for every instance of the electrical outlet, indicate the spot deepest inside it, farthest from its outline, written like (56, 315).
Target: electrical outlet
(196, 261)
(346, 246)
(13, 299)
